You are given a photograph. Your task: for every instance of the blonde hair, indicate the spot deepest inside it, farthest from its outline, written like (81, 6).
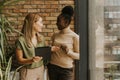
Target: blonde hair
(27, 29)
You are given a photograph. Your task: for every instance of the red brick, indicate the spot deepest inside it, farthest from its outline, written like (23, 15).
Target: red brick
(66, 2)
(30, 6)
(44, 14)
(37, 2)
(51, 2)
(47, 30)
(55, 6)
(55, 14)
(56, 30)
(20, 26)
(47, 38)
(22, 2)
(21, 18)
(19, 10)
(33, 10)
(44, 6)
(51, 26)
(51, 18)
(46, 22)
(53, 22)
(44, 34)
(23, 10)
(50, 34)
(12, 18)
(9, 7)
(50, 10)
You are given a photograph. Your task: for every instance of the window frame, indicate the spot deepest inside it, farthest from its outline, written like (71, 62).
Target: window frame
(81, 28)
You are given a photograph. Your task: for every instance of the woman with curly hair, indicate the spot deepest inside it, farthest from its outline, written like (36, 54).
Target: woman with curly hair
(61, 64)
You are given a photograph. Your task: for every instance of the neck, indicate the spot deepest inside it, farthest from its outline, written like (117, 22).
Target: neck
(33, 35)
(34, 39)
(65, 30)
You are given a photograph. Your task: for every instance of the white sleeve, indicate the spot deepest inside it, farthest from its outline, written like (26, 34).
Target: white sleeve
(75, 53)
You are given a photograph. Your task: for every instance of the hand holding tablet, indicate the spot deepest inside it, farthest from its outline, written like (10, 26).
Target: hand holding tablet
(44, 52)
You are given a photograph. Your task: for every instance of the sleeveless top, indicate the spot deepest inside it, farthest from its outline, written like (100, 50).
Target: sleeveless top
(29, 52)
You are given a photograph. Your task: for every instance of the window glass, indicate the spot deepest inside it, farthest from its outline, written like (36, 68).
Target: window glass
(104, 30)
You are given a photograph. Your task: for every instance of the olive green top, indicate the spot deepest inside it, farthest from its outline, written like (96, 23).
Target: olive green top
(29, 52)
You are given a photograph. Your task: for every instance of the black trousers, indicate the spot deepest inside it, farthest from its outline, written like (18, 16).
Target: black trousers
(58, 73)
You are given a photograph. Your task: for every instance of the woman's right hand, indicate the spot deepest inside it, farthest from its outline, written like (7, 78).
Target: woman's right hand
(36, 59)
(55, 48)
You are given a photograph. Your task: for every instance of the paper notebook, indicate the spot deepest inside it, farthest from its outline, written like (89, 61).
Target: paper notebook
(45, 52)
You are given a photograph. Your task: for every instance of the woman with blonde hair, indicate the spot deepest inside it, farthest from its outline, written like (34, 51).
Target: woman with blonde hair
(25, 48)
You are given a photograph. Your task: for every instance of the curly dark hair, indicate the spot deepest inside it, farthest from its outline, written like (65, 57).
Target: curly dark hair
(67, 13)
(68, 10)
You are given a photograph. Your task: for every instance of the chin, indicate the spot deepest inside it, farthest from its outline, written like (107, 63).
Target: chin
(60, 28)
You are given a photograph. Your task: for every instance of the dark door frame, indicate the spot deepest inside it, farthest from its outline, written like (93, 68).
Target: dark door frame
(81, 27)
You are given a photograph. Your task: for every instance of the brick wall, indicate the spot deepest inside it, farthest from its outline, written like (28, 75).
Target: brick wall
(48, 9)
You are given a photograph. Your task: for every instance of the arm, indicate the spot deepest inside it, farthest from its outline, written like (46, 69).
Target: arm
(54, 48)
(21, 60)
(75, 53)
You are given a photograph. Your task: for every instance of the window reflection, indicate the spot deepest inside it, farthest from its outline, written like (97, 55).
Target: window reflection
(104, 34)
(112, 40)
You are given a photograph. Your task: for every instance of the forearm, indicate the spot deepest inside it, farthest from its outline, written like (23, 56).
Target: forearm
(25, 61)
(74, 55)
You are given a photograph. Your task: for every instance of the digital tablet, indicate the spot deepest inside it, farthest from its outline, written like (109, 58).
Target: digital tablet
(44, 52)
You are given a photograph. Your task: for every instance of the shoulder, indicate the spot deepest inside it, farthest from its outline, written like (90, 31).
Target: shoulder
(74, 35)
(21, 38)
(19, 41)
(75, 38)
